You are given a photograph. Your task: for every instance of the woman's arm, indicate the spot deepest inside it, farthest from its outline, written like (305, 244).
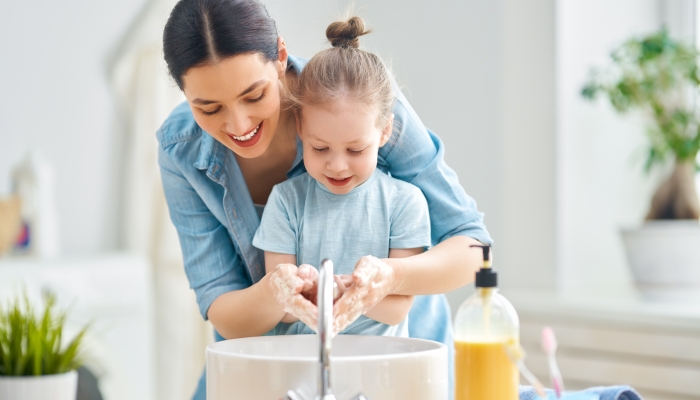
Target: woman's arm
(394, 308)
(246, 312)
(214, 270)
(417, 157)
(445, 267)
(278, 293)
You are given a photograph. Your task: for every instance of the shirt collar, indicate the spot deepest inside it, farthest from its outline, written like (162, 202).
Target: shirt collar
(210, 157)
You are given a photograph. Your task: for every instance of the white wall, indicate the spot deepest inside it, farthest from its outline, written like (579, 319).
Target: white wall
(55, 99)
(479, 73)
(602, 187)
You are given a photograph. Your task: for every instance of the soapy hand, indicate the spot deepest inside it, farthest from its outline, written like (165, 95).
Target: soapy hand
(288, 283)
(370, 282)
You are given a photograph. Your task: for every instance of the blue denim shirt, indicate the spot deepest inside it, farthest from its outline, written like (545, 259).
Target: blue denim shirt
(216, 220)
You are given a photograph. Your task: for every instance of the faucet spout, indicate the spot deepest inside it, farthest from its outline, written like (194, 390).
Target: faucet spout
(327, 291)
(325, 328)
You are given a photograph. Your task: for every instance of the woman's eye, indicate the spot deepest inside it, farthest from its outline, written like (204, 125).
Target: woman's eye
(212, 112)
(321, 150)
(355, 152)
(257, 99)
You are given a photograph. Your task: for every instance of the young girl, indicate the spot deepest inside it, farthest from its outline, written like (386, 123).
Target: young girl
(343, 207)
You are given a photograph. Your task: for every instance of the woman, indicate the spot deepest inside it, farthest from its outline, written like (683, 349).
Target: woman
(223, 150)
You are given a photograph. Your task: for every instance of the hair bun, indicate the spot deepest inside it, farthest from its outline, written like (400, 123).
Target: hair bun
(346, 33)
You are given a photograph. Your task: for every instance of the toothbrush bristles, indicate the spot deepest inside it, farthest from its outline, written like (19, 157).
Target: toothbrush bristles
(549, 341)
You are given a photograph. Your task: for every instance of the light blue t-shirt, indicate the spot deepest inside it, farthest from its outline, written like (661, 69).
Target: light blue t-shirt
(303, 217)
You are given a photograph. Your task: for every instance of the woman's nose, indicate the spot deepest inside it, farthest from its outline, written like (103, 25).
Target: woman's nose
(237, 125)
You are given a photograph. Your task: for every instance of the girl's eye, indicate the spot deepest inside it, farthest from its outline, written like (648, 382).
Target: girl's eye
(317, 150)
(355, 152)
(211, 112)
(257, 99)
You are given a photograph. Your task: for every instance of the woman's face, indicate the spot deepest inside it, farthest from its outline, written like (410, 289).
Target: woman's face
(237, 100)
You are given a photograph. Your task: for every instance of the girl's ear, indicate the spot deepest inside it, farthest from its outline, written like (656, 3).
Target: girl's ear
(386, 132)
(281, 57)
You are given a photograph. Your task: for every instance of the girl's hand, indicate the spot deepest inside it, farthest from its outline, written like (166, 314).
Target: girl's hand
(287, 283)
(372, 280)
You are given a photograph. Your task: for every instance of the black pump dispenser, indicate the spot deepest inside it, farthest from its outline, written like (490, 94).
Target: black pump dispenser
(486, 277)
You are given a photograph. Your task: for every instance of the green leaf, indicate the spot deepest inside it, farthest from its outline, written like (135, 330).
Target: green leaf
(31, 344)
(654, 74)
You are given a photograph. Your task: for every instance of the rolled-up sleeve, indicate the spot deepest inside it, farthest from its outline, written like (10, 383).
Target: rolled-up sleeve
(416, 155)
(212, 265)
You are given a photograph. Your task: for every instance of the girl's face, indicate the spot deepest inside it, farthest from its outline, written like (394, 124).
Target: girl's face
(237, 100)
(341, 143)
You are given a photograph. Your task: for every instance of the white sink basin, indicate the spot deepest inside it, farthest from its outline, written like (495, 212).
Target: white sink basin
(382, 368)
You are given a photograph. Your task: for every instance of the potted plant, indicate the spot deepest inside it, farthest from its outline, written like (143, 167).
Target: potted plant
(659, 76)
(36, 363)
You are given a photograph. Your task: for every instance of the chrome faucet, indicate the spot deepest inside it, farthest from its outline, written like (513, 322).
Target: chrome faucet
(327, 291)
(325, 328)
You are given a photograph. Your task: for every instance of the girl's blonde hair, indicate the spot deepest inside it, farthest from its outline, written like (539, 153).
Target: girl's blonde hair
(345, 72)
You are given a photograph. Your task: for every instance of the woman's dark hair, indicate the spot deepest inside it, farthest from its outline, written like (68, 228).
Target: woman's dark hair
(206, 31)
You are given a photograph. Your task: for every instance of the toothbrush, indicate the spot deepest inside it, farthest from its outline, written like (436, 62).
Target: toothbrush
(549, 345)
(516, 353)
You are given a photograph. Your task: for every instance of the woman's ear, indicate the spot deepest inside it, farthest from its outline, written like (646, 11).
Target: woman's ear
(281, 57)
(387, 131)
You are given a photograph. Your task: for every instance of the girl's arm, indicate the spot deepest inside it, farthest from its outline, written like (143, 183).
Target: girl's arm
(272, 260)
(394, 308)
(430, 272)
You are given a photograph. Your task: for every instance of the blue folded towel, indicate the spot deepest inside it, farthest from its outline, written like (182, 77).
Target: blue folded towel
(596, 393)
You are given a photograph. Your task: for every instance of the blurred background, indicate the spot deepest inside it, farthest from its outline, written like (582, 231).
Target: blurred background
(84, 88)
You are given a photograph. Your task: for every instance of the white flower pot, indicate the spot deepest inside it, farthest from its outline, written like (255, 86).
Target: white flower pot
(45, 387)
(664, 256)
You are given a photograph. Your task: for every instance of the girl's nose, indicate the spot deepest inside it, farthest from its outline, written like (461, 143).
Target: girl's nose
(337, 163)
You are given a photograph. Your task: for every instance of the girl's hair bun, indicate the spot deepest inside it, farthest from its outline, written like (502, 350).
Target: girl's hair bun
(345, 33)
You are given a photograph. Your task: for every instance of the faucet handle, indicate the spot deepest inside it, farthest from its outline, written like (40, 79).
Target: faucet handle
(359, 397)
(292, 395)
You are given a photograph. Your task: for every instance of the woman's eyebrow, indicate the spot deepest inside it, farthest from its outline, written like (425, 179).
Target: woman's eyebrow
(203, 102)
(252, 87)
(249, 89)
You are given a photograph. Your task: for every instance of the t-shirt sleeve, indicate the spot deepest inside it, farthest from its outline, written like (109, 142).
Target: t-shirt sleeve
(276, 233)
(410, 222)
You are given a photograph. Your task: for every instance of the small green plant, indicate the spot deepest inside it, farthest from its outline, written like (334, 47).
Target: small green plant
(31, 342)
(659, 76)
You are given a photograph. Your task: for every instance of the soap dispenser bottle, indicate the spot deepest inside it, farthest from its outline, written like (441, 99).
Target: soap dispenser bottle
(486, 327)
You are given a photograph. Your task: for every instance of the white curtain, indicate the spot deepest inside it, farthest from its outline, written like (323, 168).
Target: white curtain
(145, 96)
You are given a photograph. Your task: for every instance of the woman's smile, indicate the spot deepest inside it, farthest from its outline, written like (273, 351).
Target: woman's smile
(249, 139)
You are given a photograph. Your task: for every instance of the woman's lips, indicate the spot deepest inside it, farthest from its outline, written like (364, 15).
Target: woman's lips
(249, 139)
(338, 182)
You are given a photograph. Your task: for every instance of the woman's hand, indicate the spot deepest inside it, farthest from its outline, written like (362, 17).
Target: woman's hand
(372, 280)
(289, 284)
